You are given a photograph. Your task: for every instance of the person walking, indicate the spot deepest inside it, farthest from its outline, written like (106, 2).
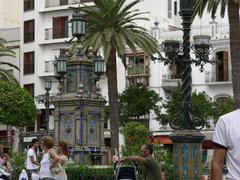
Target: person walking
(63, 159)
(49, 159)
(32, 164)
(226, 141)
(152, 169)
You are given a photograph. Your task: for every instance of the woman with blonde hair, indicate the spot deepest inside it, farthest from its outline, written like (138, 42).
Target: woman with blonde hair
(49, 159)
(62, 160)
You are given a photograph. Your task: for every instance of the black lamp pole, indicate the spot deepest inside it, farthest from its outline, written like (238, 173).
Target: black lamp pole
(187, 138)
(186, 13)
(48, 85)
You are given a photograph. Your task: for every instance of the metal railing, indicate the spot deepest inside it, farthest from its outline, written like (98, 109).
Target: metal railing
(222, 32)
(58, 33)
(170, 77)
(49, 66)
(211, 77)
(137, 70)
(55, 3)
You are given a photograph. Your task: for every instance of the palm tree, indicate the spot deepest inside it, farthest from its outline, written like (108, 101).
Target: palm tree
(234, 28)
(111, 26)
(5, 51)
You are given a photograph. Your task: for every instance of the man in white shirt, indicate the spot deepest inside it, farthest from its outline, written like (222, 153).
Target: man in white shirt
(32, 164)
(227, 144)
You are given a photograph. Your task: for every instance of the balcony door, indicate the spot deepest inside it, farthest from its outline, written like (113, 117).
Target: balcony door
(60, 27)
(222, 72)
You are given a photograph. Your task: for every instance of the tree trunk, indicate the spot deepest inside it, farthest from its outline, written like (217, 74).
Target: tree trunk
(234, 27)
(113, 99)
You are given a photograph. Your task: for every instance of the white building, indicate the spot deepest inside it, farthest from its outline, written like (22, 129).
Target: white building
(9, 13)
(45, 27)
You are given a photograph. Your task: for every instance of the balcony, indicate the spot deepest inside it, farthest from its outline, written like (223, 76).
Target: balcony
(49, 66)
(55, 3)
(137, 70)
(221, 32)
(169, 83)
(213, 78)
(58, 33)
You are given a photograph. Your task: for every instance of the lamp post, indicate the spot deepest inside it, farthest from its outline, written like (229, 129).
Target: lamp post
(78, 31)
(48, 86)
(79, 119)
(45, 98)
(187, 137)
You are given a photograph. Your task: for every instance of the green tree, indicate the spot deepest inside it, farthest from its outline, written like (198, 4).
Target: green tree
(5, 51)
(170, 109)
(111, 25)
(135, 135)
(137, 101)
(17, 107)
(232, 7)
(221, 108)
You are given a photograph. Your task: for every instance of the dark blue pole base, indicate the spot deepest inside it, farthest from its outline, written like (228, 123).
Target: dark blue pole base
(187, 154)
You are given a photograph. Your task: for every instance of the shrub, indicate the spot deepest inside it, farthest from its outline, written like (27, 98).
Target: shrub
(89, 173)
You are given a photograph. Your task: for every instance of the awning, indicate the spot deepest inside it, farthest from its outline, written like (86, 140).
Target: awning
(207, 144)
(165, 140)
(160, 140)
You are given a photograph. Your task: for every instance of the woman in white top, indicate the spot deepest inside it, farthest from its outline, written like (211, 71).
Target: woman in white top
(63, 159)
(49, 159)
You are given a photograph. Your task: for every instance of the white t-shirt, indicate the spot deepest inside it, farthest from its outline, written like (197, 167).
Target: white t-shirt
(227, 134)
(30, 165)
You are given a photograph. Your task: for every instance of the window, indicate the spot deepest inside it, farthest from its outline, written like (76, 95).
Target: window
(29, 88)
(60, 27)
(169, 9)
(28, 63)
(28, 5)
(29, 31)
(175, 8)
(221, 99)
(222, 66)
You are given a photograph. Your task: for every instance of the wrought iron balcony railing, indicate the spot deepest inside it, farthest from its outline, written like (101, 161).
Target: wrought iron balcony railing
(221, 32)
(138, 70)
(58, 33)
(215, 77)
(54, 3)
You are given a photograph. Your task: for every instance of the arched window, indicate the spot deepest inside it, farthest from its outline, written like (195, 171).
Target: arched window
(221, 98)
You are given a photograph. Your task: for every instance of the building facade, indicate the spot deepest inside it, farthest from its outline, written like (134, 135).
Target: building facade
(45, 27)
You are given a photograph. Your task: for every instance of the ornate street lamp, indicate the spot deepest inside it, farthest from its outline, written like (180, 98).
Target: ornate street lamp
(78, 71)
(78, 24)
(99, 65)
(48, 86)
(60, 67)
(186, 138)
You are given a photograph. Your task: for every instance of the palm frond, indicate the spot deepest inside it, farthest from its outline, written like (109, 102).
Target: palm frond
(5, 51)
(112, 25)
(6, 76)
(211, 5)
(9, 64)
